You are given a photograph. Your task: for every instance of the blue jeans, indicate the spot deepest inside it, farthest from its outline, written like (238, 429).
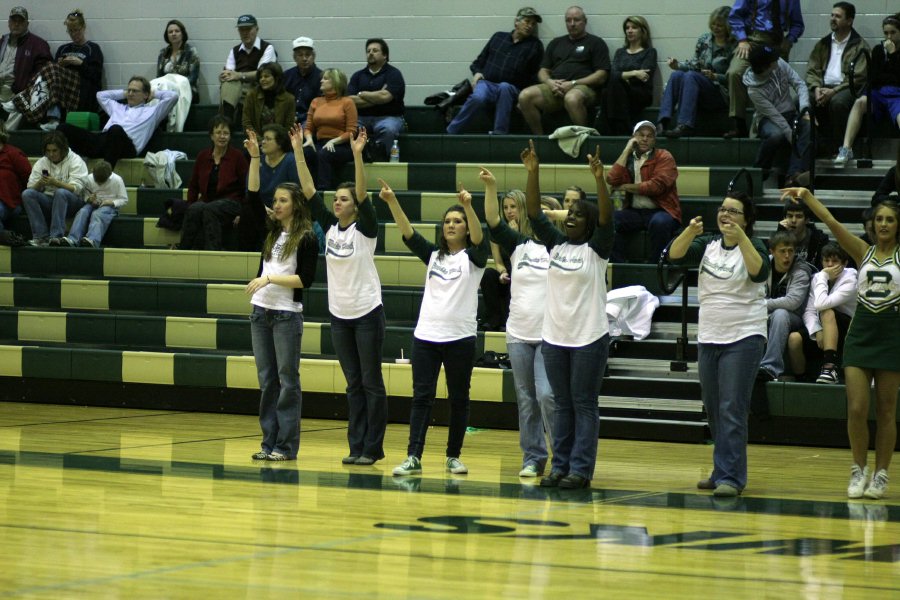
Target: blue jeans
(276, 336)
(326, 164)
(781, 323)
(689, 90)
(358, 344)
(575, 375)
(42, 208)
(535, 400)
(7, 214)
(91, 223)
(383, 130)
(659, 224)
(426, 357)
(487, 94)
(774, 140)
(727, 374)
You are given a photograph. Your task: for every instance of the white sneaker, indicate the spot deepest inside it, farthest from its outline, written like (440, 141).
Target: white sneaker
(878, 485)
(455, 466)
(859, 477)
(844, 156)
(50, 125)
(411, 466)
(13, 121)
(529, 471)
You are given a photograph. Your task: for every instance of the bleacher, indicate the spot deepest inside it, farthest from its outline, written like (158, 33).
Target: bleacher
(137, 324)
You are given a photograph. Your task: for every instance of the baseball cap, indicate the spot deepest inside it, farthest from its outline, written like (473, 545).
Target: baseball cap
(644, 124)
(304, 42)
(529, 12)
(246, 21)
(19, 11)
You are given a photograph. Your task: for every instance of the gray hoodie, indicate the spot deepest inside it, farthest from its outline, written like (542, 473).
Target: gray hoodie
(771, 93)
(791, 290)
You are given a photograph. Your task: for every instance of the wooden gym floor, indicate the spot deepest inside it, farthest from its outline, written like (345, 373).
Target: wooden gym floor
(120, 503)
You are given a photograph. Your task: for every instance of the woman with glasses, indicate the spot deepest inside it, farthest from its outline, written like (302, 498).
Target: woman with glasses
(70, 83)
(276, 167)
(732, 329)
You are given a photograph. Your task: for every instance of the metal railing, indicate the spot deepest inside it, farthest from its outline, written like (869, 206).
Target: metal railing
(795, 146)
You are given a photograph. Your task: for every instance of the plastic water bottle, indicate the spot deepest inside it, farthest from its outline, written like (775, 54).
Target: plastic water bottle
(395, 152)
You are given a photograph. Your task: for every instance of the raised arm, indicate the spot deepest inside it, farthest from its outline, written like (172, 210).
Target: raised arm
(251, 144)
(681, 244)
(853, 245)
(307, 185)
(491, 210)
(603, 201)
(400, 218)
(533, 186)
(475, 232)
(357, 144)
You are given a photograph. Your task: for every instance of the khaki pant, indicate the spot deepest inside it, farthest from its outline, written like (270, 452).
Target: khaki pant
(233, 92)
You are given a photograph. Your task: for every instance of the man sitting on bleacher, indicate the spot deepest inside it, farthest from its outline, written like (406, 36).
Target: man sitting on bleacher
(787, 289)
(239, 73)
(377, 90)
(130, 125)
(647, 175)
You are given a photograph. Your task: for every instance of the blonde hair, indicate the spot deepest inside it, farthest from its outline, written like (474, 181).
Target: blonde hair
(76, 17)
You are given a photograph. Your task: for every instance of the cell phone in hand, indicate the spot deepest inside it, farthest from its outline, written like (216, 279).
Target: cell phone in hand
(45, 173)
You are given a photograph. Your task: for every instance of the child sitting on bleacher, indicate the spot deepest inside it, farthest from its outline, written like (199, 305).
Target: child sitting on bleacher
(104, 194)
(829, 310)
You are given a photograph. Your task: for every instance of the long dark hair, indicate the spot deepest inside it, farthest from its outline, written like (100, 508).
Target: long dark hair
(301, 224)
(184, 36)
(443, 246)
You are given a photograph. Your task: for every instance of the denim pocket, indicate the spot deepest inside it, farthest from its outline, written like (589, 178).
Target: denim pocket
(283, 315)
(258, 315)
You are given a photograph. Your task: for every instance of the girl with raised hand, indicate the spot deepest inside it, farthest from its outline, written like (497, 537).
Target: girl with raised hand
(872, 347)
(354, 299)
(446, 330)
(575, 331)
(287, 266)
(530, 261)
(731, 336)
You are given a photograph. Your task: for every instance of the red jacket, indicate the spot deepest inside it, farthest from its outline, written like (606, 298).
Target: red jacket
(14, 171)
(658, 175)
(32, 53)
(232, 176)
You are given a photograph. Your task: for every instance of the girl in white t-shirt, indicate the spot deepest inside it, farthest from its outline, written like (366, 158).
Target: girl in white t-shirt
(574, 331)
(446, 330)
(354, 299)
(287, 265)
(731, 335)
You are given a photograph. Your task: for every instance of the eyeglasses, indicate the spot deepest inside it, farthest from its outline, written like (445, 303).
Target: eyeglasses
(730, 211)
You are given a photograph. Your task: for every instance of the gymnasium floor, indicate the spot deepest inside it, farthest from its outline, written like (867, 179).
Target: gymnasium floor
(120, 503)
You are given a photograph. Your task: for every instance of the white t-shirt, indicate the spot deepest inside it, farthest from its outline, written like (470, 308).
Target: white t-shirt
(278, 297)
(450, 301)
(354, 289)
(112, 189)
(528, 290)
(575, 310)
(732, 307)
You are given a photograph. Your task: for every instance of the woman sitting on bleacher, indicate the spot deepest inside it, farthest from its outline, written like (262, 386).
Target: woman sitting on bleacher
(215, 191)
(287, 266)
(884, 88)
(699, 82)
(330, 125)
(354, 299)
(269, 103)
(629, 89)
(179, 56)
(276, 167)
(446, 331)
(70, 83)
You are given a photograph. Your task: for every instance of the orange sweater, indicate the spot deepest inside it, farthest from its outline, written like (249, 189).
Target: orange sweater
(333, 117)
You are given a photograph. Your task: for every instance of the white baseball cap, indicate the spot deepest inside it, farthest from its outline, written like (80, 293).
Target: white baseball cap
(304, 42)
(644, 124)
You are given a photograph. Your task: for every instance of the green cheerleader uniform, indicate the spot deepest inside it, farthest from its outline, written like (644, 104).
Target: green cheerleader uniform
(873, 341)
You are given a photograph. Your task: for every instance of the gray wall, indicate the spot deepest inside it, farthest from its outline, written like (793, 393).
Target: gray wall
(431, 42)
